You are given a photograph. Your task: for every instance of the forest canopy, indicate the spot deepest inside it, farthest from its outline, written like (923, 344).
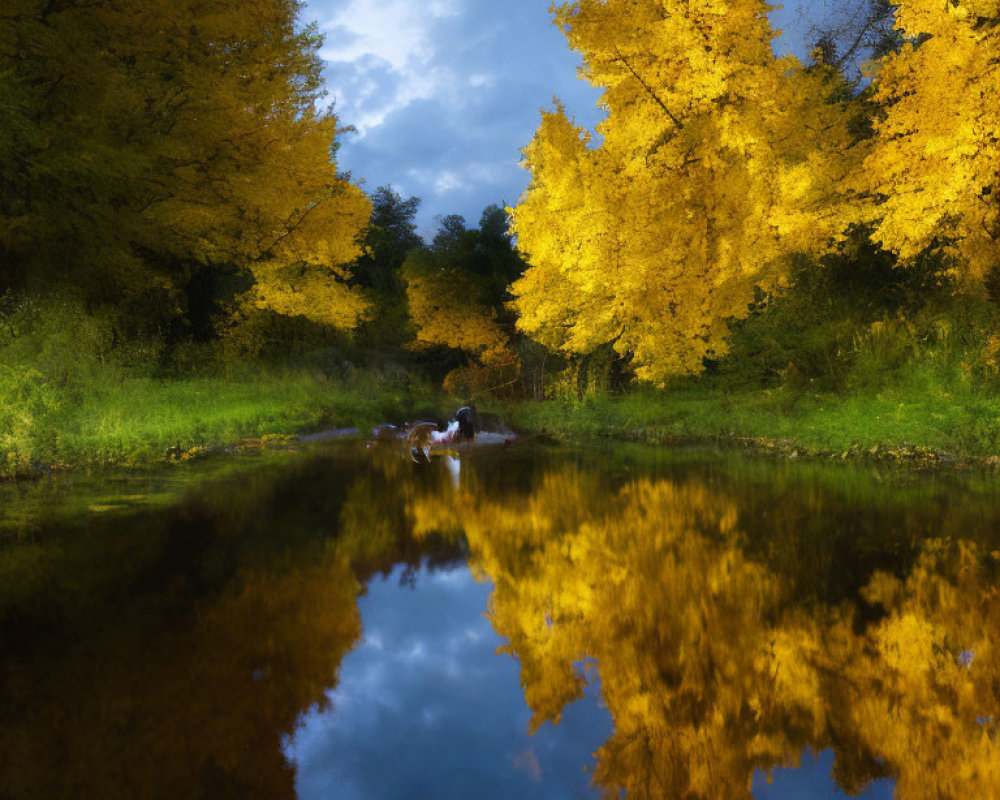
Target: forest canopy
(719, 163)
(143, 144)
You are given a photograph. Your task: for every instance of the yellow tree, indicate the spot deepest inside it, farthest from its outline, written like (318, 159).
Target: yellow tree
(145, 139)
(457, 292)
(935, 164)
(716, 161)
(447, 311)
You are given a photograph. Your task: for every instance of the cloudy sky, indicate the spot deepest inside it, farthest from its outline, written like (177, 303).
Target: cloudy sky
(445, 93)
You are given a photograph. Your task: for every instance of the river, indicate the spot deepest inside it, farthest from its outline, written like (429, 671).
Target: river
(526, 622)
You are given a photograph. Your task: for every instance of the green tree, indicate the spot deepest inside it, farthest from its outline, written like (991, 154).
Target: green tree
(457, 290)
(390, 238)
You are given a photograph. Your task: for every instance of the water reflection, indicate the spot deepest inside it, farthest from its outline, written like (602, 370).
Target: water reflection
(424, 708)
(715, 659)
(165, 654)
(810, 778)
(736, 614)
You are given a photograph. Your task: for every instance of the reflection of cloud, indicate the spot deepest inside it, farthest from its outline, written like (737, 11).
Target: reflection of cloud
(527, 762)
(425, 694)
(455, 579)
(807, 780)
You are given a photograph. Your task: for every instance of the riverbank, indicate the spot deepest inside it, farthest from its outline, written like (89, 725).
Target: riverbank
(147, 420)
(930, 428)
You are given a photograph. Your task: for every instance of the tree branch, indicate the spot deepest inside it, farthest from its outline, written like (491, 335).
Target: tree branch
(648, 88)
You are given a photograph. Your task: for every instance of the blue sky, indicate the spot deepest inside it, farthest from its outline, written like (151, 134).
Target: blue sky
(445, 93)
(425, 708)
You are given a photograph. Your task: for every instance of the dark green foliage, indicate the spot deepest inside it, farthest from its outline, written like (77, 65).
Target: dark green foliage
(848, 322)
(450, 230)
(391, 236)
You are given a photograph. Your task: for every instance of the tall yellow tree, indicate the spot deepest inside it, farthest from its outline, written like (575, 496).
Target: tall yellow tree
(716, 161)
(457, 294)
(447, 310)
(146, 138)
(935, 165)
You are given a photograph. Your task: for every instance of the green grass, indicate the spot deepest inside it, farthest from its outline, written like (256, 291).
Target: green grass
(74, 392)
(963, 425)
(138, 419)
(118, 418)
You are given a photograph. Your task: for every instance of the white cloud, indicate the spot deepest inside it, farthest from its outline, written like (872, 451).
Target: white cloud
(395, 38)
(480, 79)
(395, 31)
(447, 181)
(444, 93)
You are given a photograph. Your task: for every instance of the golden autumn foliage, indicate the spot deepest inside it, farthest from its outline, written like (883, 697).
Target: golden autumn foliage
(143, 138)
(446, 310)
(457, 297)
(934, 164)
(710, 663)
(921, 687)
(716, 161)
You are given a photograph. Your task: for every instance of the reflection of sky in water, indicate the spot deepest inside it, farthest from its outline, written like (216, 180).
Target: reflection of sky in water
(425, 709)
(811, 781)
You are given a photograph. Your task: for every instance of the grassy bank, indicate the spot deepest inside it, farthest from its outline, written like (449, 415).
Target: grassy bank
(142, 420)
(893, 423)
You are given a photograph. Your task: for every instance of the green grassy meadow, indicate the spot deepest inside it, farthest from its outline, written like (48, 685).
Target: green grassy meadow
(142, 420)
(136, 420)
(889, 422)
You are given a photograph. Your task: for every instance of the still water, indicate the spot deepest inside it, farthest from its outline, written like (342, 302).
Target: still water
(530, 622)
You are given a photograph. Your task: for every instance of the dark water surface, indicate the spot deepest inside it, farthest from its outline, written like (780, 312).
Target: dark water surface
(529, 622)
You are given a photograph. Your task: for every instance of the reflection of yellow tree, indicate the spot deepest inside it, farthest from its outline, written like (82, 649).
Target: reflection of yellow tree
(197, 712)
(710, 661)
(178, 650)
(922, 688)
(653, 588)
(708, 664)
